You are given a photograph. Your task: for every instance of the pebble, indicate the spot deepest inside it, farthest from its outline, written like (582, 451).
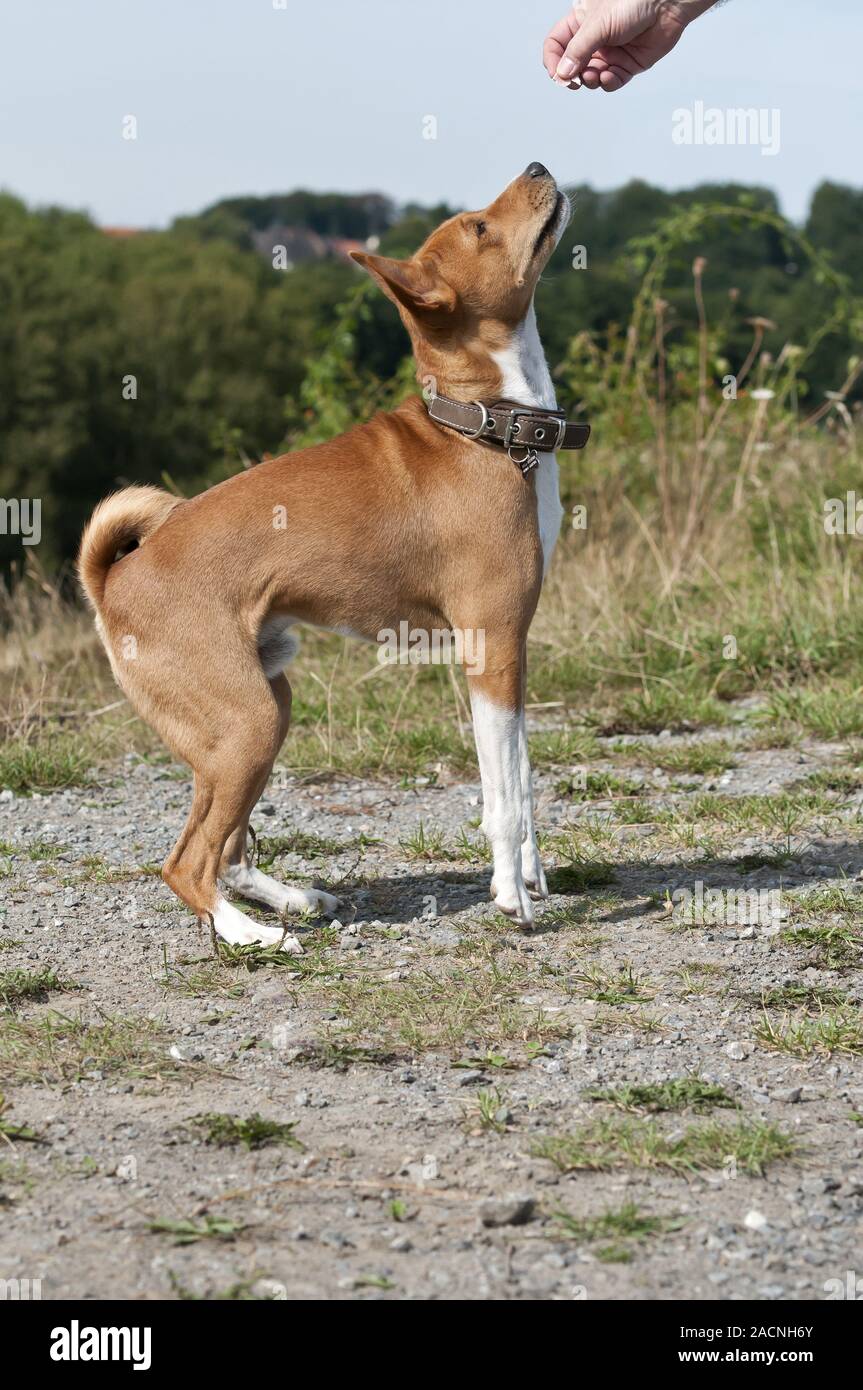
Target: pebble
(513, 1211)
(787, 1095)
(755, 1220)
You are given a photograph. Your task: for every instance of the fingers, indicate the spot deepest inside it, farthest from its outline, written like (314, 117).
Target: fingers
(579, 50)
(610, 69)
(555, 45)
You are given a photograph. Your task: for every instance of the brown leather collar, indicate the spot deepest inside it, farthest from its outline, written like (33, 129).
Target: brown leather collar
(520, 429)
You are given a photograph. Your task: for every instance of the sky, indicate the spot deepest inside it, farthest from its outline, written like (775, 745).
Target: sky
(262, 96)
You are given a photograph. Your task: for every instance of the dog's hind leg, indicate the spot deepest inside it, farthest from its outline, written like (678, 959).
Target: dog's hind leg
(228, 726)
(228, 781)
(244, 878)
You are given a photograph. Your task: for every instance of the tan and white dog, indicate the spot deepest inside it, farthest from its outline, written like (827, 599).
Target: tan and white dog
(399, 520)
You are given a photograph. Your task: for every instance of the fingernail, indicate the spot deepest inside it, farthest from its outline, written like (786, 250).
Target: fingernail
(565, 68)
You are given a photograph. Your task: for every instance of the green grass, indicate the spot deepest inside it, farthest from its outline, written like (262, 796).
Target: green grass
(832, 712)
(562, 746)
(845, 780)
(12, 1133)
(578, 872)
(199, 977)
(188, 1232)
(603, 1145)
(428, 1011)
(253, 1132)
(624, 986)
(596, 786)
(39, 850)
(814, 998)
(51, 761)
(834, 1030)
(705, 758)
(94, 869)
(58, 1048)
(423, 844)
(489, 1112)
(623, 1227)
(16, 986)
(698, 977)
(832, 947)
(834, 897)
(684, 1093)
(304, 844)
(432, 846)
(340, 1056)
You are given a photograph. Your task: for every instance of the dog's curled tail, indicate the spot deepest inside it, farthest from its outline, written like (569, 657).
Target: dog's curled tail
(119, 524)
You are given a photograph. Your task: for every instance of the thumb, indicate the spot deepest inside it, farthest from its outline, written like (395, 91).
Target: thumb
(581, 49)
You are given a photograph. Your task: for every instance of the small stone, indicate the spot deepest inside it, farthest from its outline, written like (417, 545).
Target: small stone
(513, 1211)
(335, 1239)
(737, 1051)
(755, 1220)
(787, 1095)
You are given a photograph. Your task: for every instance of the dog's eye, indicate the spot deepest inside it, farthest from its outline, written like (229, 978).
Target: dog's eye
(480, 228)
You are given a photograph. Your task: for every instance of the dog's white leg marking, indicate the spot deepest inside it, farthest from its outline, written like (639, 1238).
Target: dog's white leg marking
(531, 864)
(237, 929)
(496, 730)
(253, 883)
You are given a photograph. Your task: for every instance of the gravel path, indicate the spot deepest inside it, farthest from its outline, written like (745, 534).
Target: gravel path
(418, 1178)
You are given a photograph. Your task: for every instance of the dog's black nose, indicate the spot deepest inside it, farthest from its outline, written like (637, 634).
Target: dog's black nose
(536, 171)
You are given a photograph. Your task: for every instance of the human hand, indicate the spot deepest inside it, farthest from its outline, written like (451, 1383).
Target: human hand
(605, 43)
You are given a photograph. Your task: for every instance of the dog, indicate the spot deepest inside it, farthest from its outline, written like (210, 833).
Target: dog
(442, 514)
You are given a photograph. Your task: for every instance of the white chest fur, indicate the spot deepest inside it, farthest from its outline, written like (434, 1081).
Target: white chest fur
(526, 378)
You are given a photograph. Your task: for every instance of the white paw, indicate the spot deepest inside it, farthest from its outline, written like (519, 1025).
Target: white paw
(237, 929)
(312, 900)
(514, 902)
(253, 883)
(533, 872)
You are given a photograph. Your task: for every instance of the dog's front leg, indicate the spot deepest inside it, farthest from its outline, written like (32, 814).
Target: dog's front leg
(531, 864)
(496, 704)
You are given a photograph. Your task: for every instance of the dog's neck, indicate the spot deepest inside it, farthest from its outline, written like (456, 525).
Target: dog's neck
(524, 371)
(498, 362)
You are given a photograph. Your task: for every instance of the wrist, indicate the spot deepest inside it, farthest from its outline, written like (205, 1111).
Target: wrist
(686, 10)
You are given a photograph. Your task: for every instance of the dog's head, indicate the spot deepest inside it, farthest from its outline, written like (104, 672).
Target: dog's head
(474, 278)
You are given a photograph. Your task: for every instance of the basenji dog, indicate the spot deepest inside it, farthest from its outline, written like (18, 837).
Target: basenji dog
(442, 514)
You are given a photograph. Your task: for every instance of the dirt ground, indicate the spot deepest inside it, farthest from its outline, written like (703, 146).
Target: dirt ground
(426, 1061)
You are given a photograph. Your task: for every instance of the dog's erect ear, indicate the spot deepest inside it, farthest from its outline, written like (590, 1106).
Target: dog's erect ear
(416, 286)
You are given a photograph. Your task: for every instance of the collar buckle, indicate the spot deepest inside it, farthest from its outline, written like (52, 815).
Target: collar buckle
(513, 424)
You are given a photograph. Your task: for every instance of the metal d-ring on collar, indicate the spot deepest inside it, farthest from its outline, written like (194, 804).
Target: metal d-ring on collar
(484, 423)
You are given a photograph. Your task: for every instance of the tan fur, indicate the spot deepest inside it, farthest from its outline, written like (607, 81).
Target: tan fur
(397, 520)
(130, 515)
